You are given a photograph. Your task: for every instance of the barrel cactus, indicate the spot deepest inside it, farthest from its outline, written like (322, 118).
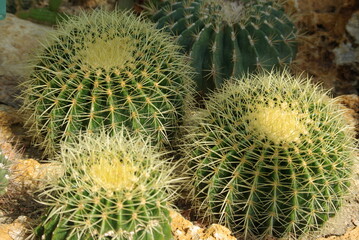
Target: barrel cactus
(4, 173)
(227, 38)
(106, 69)
(270, 155)
(112, 187)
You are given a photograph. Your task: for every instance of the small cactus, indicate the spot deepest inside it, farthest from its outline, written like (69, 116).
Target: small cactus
(113, 187)
(227, 38)
(49, 15)
(106, 69)
(270, 155)
(4, 173)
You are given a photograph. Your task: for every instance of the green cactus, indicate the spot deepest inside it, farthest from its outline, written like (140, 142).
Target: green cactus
(270, 155)
(106, 69)
(112, 187)
(227, 38)
(4, 173)
(49, 15)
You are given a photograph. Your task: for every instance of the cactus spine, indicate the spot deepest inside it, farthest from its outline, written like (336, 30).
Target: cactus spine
(270, 155)
(227, 38)
(106, 69)
(4, 173)
(115, 187)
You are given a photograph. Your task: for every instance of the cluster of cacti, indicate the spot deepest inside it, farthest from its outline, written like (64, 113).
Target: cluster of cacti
(270, 155)
(4, 173)
(49, 15)
(115, 187)
(227, 38)
(106, 69)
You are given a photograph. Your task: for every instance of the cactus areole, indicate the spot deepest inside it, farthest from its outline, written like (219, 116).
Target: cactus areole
(227, 38)
(106, 69)
(270, 155)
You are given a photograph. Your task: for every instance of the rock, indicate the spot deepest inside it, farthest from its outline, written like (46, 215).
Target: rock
(352, 234)
(217, 232)
(29, 174)
(324, 26)
(14, 231)
(347, 58)
(351, 103)
(353, 27)
(13, 136)
(18, 40)
(8, 118)
(183, 229)
(346, 54)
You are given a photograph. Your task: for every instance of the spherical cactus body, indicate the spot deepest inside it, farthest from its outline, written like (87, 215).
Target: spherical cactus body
(270, 155)
(4, 173)
(106, 69)
(227, 38)
(116, 187)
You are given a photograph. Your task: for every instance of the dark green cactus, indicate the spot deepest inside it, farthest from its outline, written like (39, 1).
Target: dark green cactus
(106, 69)
(227, 38)
(4, 173)
(270, 155)
(49, 15)
(115, 187)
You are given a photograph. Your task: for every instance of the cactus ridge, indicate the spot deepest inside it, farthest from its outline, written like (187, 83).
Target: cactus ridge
(112, 187)
(270, 155)
(4, 173)
(106, 69)
(227, 39)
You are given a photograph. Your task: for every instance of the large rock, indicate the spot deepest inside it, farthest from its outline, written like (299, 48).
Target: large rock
(19, 39)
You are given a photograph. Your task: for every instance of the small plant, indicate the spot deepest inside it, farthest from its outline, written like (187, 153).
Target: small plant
(106, 69)
(115, 187)
(227, 38)
(270, 155)
(4, 173)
